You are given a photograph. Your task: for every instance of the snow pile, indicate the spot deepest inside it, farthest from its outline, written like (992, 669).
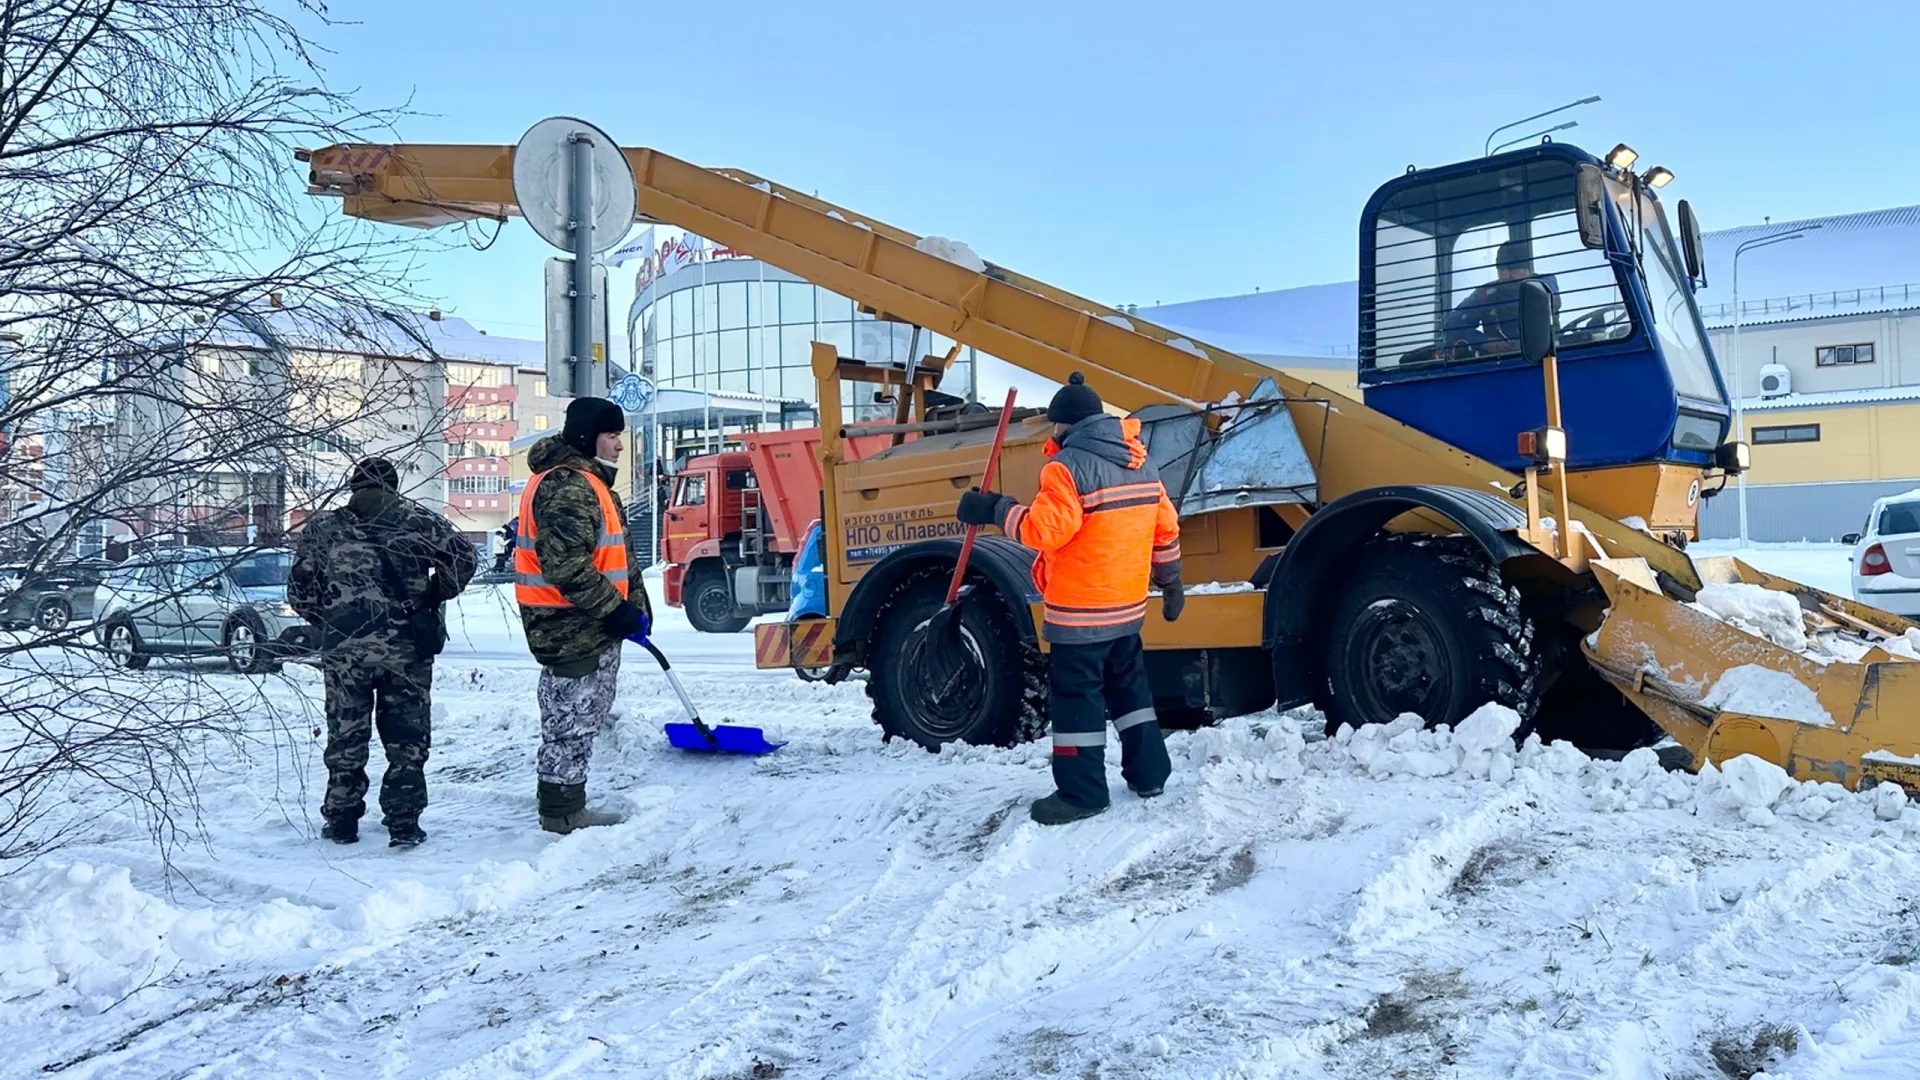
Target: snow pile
(1761, 691)
(1480, 749)
(1907, 645)
(953, 251)
(1120, 321)
(93, 931)
(1214, 588)
(1759, 611)
(1230, 753)
(1186, 346)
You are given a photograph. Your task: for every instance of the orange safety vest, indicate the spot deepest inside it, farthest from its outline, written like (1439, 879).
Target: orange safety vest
(609, 555)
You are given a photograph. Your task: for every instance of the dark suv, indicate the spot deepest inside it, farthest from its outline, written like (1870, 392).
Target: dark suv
(53, 598)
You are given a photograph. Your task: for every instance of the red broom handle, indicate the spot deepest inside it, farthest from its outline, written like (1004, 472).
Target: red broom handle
(986, 484)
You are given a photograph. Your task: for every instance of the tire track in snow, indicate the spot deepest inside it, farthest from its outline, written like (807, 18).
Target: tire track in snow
(1770, 960)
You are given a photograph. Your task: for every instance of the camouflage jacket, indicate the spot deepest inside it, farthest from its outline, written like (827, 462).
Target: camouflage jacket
(566, 523)
(348, 561)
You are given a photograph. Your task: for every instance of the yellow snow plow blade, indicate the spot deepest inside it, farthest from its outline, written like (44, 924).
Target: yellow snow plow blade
(1846, 708)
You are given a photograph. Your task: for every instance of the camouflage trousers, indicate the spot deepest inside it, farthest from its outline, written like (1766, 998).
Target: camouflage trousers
(397, 701)
(572, 712)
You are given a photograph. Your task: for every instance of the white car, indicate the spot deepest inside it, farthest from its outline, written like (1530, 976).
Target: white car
(1886, 557)
(192, 602)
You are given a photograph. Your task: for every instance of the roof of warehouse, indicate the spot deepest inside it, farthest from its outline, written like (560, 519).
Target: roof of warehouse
(1870, 396)
(1852, 264)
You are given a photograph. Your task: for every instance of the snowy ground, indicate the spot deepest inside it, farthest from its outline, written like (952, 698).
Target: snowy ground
(1401, 904)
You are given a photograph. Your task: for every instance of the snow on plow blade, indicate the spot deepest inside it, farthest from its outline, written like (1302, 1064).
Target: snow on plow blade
(1824, 687)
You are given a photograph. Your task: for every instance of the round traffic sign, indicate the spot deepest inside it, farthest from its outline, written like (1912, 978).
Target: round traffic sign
(543, 182)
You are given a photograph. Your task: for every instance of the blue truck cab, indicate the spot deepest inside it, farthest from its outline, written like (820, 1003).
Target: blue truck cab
(1442, 254)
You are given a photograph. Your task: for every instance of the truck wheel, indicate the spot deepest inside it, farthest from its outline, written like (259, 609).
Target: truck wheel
(988, 688)
(709, 603)
(1425, 626)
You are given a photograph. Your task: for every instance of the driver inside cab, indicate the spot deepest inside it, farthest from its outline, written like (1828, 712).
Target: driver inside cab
(1488, 320)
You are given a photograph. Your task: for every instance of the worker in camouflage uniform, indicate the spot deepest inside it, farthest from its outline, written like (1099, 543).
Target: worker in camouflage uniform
(577, 601)
(371, 577)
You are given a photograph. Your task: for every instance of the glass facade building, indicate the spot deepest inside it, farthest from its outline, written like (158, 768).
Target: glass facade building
(739, 326)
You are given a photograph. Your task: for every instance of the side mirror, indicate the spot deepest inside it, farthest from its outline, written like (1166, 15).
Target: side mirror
(1733, 458)
(1693, 247)
(1590, 199)
(1537, 321)
(1850, 538)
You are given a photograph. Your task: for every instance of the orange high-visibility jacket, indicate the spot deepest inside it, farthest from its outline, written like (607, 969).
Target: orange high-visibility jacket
(1104, 528)
(609, 554)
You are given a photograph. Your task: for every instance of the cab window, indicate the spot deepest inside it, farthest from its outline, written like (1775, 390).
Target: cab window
(693, 491)
(1449, 256)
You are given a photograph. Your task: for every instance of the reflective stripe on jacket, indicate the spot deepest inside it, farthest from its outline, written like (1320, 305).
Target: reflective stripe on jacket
(1104, 529)
(609, 554)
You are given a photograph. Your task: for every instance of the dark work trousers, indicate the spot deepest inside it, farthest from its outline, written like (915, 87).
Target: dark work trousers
(397, 701)
(1087, 685)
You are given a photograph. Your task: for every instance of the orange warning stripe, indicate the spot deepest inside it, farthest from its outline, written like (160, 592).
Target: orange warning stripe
(770, 646)
(812, 644)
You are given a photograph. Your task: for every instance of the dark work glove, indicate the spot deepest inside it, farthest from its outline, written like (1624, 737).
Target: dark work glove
(1173, 600)
(981, 507)
(625, 620)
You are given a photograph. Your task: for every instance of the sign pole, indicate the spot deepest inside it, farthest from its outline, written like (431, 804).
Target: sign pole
(582, 230)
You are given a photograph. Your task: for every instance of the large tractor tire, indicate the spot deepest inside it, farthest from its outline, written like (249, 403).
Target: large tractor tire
(982, 686)
(708, 601)
(1425, 626)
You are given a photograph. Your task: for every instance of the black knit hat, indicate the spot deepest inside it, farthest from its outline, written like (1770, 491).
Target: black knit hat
(588, 418)
(1075, 401)
(374, 472)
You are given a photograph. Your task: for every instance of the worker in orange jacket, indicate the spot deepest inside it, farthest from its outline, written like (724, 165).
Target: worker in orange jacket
(1104, 528)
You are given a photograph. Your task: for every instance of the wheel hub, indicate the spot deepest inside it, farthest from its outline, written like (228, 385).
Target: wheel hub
(715, 604)
(947, 685)
(1400, 660)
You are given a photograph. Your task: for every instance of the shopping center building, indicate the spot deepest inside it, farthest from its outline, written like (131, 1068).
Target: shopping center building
(741, 332)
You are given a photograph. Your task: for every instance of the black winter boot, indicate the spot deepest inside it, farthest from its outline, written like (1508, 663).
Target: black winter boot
(341, 830)
(563, 808)
(1054, 810)
(406, 834)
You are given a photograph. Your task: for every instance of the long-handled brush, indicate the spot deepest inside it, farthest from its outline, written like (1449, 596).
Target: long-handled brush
(946, 621)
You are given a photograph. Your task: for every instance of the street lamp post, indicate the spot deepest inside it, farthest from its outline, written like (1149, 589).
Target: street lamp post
(1543, 131)
(1488, 147)
(1739, 390)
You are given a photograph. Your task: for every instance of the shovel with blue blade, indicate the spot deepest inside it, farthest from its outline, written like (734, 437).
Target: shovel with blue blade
(695, 734)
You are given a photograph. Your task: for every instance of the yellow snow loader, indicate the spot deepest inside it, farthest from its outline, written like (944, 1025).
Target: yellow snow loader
(1503, 519)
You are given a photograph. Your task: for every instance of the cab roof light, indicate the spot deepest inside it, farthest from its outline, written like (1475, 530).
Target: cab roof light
(1658, 177)
(1622, 156)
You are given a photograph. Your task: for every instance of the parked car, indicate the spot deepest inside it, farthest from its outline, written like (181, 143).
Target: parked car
(203, 602)
(52, 598)
(1886, 557)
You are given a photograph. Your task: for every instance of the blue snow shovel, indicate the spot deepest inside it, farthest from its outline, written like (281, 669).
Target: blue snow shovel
(696, 735)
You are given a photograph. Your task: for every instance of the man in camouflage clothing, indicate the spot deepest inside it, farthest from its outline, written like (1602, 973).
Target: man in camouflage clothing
(371, 577)
(577, 600)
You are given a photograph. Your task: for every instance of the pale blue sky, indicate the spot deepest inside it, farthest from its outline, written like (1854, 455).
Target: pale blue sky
(1143, 153)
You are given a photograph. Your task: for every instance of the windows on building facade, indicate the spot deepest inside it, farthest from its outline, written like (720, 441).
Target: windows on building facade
(1842, 355)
